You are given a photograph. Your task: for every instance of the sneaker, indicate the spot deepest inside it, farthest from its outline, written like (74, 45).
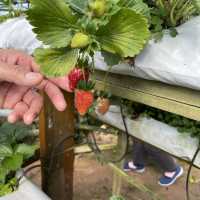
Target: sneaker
(167, 181)
(129, 166)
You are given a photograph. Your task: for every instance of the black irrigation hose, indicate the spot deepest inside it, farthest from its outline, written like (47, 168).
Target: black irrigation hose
(55, 149)
(26, 171)
(31, 168)
(97, 149)
(51, 158)
(189, 172)
(127, 137)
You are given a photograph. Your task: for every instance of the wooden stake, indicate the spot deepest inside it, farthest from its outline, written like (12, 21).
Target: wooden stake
(57, 181)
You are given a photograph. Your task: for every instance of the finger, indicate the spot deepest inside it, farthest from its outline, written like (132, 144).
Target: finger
(25, 61)
(35, 67)
(62, 82)
(19, 75)
(16, 57)
(4, 87)
(14, 95)
(35, 103)
(28, 62)
(54, 93)
(19, 110)
(56, 96)
(11, 56)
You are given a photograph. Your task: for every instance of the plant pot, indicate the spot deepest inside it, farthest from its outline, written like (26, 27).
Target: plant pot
(26, 191)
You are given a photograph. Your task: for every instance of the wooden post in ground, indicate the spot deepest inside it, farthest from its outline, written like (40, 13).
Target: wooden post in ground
(57, 170)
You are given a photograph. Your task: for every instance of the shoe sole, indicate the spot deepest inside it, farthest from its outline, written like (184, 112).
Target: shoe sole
(166, 185)
(134, 170)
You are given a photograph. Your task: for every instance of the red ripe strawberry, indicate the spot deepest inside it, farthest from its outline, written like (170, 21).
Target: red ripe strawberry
(76, 75)
(83, 101)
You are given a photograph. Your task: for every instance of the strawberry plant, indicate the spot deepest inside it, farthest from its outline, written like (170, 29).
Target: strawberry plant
(170, 14)
(183, 124)
(74, 30)
(16, 146)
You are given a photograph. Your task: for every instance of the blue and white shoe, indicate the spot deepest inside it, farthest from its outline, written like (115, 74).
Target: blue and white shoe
(167, 181)
(129, 166)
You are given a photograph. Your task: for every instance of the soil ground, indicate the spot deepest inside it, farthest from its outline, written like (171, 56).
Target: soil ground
(93, 181)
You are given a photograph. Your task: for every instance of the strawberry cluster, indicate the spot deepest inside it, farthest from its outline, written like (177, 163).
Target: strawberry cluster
(80, 84)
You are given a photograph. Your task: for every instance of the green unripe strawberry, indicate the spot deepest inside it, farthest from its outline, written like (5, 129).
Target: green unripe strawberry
(80, 40)
(98, 7)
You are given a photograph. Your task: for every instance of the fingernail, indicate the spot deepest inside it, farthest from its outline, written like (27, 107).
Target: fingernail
(11, 119)
(29, 118)
(33, 76)
(62, 106)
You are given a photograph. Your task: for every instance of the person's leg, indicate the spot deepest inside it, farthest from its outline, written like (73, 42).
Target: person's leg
(163, 159)
(138, 153)
(138, 160)
(172, 171)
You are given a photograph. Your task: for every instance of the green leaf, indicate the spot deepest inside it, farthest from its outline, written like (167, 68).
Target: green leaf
(142, 8)
(111, 59)
(5, 189)
(26, 150)
(13, 163)
(3, 174)
(125, 34)
(52, 21)
(5, 151)
(126, 3)
(12, 133)
(138, 5)
(78, 5)
(173, 32)
(56, 62)
(8, 187)
(197, 5)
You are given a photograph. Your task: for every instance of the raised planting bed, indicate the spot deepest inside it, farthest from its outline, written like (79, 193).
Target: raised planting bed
(155, 133)
(26, 191)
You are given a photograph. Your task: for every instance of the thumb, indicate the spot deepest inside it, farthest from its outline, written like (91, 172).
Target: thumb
(19, 75)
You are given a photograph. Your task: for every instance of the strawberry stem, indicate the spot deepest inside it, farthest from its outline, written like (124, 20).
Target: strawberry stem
(106, 78)
(93, 69)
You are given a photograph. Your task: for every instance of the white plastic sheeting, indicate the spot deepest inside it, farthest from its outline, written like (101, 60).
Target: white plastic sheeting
(17, 33)
(156, 133)
(172, 60)
(27, 191)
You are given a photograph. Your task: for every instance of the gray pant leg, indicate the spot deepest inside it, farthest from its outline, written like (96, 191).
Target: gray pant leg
(138, 153)
(164, 160)
(141, 150)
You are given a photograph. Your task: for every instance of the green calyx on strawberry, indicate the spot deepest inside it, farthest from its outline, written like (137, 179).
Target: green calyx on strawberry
(84, 97)
(76, 75)
(80, 40)
(85, 85)
(98, 7)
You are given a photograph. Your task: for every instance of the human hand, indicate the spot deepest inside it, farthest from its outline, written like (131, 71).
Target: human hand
(18, 75)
